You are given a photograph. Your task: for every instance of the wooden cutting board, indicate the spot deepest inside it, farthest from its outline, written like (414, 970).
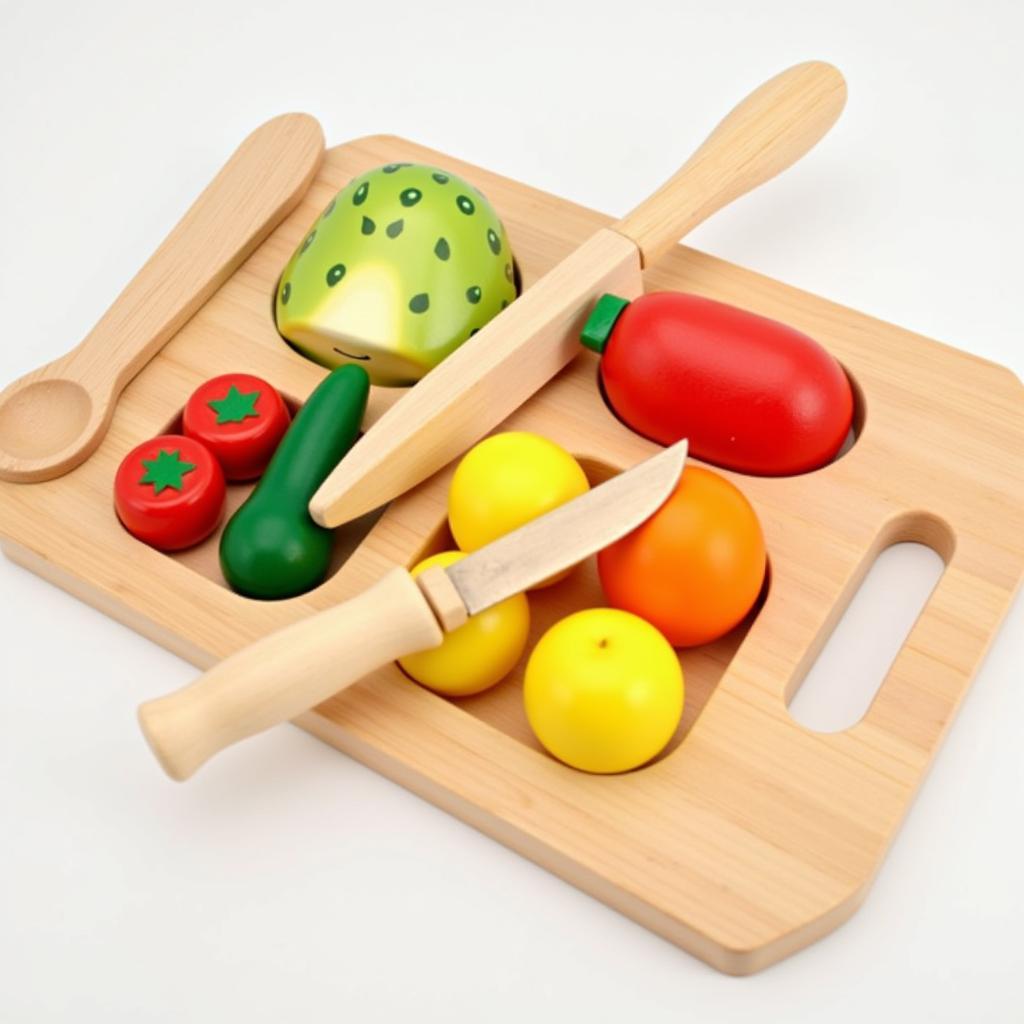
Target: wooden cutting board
(751, 836)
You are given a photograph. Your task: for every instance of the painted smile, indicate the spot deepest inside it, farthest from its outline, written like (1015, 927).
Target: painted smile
(349, 355)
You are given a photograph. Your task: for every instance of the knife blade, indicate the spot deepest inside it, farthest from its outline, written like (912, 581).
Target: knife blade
(296, 668)
(481, 383)
(566, 535)
(493, 373)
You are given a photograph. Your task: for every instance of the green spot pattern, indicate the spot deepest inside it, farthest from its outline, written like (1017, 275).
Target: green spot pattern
(448, 253)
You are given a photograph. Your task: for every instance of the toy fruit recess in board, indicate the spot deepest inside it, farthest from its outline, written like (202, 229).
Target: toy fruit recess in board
(507, 480)
(271, 548)
(478, 654)
(241, 419)
(404, 264)
(603, 690)
(751, 394)
(696, 567)
(169, 492)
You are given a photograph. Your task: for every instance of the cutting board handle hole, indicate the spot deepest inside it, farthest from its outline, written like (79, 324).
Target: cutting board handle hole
(851, 667)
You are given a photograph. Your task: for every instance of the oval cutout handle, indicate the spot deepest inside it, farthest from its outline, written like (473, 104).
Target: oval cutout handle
(850, 668)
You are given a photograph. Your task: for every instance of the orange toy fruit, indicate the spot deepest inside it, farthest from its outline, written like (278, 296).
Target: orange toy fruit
(695, 568)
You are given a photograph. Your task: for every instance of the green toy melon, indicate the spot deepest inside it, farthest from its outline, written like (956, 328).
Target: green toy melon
(403, 266)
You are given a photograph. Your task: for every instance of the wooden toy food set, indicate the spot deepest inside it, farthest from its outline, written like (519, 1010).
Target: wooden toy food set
(750, 836)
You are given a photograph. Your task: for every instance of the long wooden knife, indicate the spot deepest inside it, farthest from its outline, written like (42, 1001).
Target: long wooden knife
(300, 666)
(493, 373)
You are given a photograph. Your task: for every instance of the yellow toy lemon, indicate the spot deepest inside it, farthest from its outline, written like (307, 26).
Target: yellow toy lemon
(478, 654)
(507, 480)
(603, 690)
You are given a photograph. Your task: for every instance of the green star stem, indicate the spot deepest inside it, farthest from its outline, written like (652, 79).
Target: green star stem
(235, 406)
(166, 470)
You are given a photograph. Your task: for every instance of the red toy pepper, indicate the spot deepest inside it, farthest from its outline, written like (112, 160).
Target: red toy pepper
(751, 394)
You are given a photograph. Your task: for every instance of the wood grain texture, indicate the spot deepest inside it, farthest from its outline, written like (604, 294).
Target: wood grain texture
(445, 601)
(53, 418)
(763, 135)
(751, 836)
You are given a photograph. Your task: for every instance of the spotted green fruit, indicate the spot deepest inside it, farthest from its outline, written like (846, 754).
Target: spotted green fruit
(403, 266)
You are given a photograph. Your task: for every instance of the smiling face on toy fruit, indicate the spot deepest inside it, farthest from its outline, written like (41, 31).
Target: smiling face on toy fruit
(403, 266)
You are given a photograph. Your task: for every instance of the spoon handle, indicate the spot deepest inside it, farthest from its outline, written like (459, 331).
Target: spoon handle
(260, 184)
(253, 192)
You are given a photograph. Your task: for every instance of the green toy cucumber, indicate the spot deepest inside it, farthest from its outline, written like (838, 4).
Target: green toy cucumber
(271, 548)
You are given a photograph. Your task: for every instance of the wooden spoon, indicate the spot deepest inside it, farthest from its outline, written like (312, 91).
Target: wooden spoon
(53, 419)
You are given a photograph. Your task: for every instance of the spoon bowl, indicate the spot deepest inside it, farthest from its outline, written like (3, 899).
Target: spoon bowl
(39, 422)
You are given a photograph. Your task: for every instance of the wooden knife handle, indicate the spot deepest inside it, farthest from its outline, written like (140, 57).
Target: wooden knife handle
(769, 130)
(288, 672)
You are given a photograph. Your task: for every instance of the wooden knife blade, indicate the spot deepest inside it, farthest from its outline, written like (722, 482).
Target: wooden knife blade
(562, 538)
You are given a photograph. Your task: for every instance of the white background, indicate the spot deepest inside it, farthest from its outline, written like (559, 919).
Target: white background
(287, 883)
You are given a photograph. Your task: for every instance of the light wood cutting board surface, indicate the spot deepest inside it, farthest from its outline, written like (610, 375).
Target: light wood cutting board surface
(752, 836)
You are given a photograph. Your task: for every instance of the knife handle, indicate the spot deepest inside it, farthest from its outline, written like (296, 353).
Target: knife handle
(277, 678)
(767, 132)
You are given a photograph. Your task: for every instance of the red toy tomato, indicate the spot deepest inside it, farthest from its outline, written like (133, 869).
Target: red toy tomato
(241, 419)
(751, 394)
(695, 568)
(169, 492)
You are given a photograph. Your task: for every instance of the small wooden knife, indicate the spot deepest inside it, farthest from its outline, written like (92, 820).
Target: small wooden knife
(296, 668)
(492, 374)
